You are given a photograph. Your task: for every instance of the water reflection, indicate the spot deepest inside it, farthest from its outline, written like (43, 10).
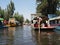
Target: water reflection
(11, 32)
(6, 36)
(36, 36)
(25, 36)
(46, 37)
(50, 38)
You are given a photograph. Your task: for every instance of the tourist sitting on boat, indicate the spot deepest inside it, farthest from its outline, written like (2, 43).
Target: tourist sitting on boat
(43, 24)
(36, 24)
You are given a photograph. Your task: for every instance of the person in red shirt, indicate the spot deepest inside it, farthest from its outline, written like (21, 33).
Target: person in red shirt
(36, 24)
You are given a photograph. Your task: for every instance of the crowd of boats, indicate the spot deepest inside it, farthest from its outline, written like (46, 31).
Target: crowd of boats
(11, 23)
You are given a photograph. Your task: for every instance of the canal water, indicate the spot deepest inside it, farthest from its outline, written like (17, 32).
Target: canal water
(26, 36)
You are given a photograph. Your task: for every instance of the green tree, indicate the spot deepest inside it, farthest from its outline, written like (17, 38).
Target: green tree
(10, 9)
(1, 12)
(19, 17)
(48, 6)
(7, 13)
(41, 6)
(58, 12)
(6, 16)
(27, 21)
(58, 5)
(16, 15)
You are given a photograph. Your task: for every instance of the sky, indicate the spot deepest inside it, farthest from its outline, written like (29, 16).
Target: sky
(24, 7)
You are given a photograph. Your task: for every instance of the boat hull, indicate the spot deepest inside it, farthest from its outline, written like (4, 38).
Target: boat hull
(3, 27)
(45, 28)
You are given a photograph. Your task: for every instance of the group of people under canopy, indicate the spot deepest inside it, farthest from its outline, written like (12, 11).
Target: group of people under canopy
(42, 22)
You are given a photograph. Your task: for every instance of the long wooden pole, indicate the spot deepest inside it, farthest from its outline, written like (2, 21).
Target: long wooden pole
(39, 24)
(39, 30)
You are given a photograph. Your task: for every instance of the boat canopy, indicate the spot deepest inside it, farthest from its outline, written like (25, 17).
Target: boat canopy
(55, 18)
